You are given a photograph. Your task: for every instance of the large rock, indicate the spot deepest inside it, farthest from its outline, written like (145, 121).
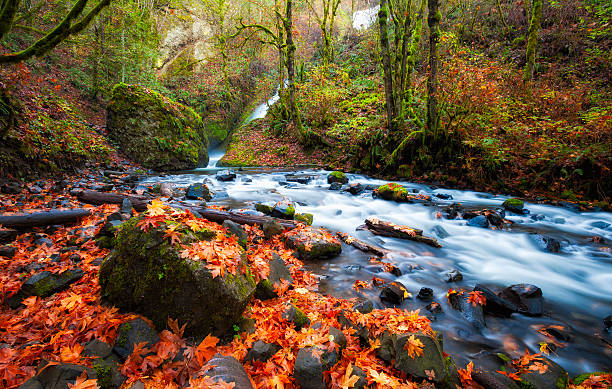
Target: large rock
(155, 131)
(44, 284)
(392, 350)
(472, 312)
(313, 243)
(337, 176)
(198, 192)
(131, 333)
(554, 376)
(147, 275)
(310, 363)
(227, 369)
(524, 298)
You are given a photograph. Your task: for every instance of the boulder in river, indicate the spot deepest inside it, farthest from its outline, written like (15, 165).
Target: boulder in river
(472, 311)
(524, 298)
(392, 191)
(305, 218)
(283, 209)
(225, 175)
(394, 293)
(148, 275)
(313, 243)
(155, 131)
(546, 243)
(198, 192)
(337, 176)
(514, 205)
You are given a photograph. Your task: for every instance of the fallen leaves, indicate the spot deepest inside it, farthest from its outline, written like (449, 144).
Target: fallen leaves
(414, 347)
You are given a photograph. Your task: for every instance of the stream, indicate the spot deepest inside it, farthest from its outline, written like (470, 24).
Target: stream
(576, 282)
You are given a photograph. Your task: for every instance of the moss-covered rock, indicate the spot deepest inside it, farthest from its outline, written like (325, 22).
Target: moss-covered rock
(305, 218)
(313, 243)
(514, 205)
(146, 274)
(337, 176)
(392, 191)
(156, 131)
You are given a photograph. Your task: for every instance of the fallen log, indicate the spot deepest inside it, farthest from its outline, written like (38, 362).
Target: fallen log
(8, 235)
(361, 245)
(392, 230)
(98, 198)
(45, 218)
(217, 216)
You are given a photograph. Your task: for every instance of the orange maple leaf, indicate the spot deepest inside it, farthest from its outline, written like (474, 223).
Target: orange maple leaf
(156, 208)
(71, 354)
(83, 383)
(349, 380)
(477, 298)
(206, 349)
(414, 347)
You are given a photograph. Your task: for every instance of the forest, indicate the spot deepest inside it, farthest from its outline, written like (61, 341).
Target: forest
(305, 194)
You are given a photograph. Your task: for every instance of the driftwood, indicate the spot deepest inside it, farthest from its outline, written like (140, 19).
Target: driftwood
(45, 218)
(361, 245)
(379, 227)
(217, 216)
(98, 198)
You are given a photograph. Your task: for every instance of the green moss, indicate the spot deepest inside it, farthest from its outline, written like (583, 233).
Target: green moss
(300, 317)
(392, 191)
(44, 287)
(104, 375)
(265, 209)
(337, 176)
(579, 379)
(305, 218)
(513, 204)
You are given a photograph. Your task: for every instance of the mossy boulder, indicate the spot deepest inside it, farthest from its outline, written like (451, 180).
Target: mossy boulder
(337, 176)
(155, 131)
(305, 218)
(146, 274)
(392, 191)
(313, 243)
(514, 205)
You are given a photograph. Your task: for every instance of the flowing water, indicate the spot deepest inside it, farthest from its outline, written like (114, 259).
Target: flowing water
(363, 19)
(576, 282)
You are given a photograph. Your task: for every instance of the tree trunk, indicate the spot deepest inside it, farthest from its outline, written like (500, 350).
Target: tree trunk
(99, 198)
(217, 216)
(293, 108)
(532, 39)
(385, 49)
(433, 20)
(45, 218)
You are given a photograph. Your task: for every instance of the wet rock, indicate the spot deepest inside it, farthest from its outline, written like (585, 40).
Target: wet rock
(554, 376)
(338, 177)
(278, 272)
(8, 235)
(11, 188)
(524, 298)
(305, 218)
(32, 383)
(608, 322)
(443, 196)
(313, 243)
(364, 306)
(114, 216)
(546, 243)
(558, 332)
(44, 241)
(392, 191)
(283, 209)
(225, 175)
(494, 218)
(97, 348)
(360, 331)
(434, 307)
(425, 294)
(394, 293)
(58, 376)
(295, 315)
(263, 208)
(495, 305)
(166, 190)
(362, 382)
(272, 228)
(299, 178)
(309, 368)
(486, 365)
(108, 372)
(131, 333)
(227, 369)
(7, 251)
(440, 232)
(147, 275)
(454, 211)
(238, 231)
(355, 188)
(261, 351)
(198, 192)
(337, 336)
(479, 221)
(335, 186)
(472, 312)
(126, 206)
(45, 284)
(514, 205)
(392, 350)
(601, 225)
(453, 276)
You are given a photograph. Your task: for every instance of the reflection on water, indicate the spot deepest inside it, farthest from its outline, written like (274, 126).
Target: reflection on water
(576, 283)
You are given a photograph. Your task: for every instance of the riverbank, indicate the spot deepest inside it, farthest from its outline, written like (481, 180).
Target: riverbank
(407, 264)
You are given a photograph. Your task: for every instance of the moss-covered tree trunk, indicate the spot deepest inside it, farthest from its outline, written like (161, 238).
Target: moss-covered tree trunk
(532, 39)
(433, 20)
(385, 48)
(293, 108)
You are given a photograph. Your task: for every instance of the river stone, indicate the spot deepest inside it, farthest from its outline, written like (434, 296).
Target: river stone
(131, 333)
(45, 283)
(546, 243)
(272, 228)
(394, 293)
(155, 131)
(601, 225)
(479, 221)
(524, 298)
(425, 294)
(238, 231)
(338, 177)
(309, 367)
(97, 348)
(313, 243)
(147, 275)
(225, 175)
(32, 383)
(494, 304)
(608, 322)
(392, 350)
(355, 188)
(364, 306)
(305, 218)
(126, 206)
(227, 369)
(198, 192)
(486, 365)
(453, 276)
(440, 232)
(554, 377)
(58, 376)
(283, 209)
(166, 190)
(7, 251)
(261, 351)
(278, 272)
(335, 186)
(295, 315)
(514, 205)
(472, 313)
